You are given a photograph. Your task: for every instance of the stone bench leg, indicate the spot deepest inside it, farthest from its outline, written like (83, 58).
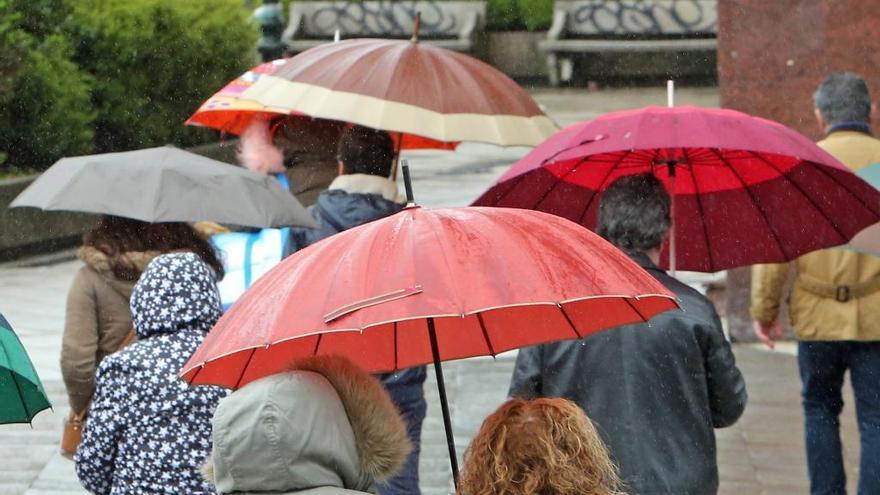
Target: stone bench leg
(553, 69)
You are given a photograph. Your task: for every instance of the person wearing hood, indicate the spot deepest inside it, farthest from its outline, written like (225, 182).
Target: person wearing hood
(360, 194)
(98, 320)
(324, 428)
(148, 431)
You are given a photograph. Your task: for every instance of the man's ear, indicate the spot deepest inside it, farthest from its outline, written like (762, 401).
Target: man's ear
(823, 126)
(873, 111)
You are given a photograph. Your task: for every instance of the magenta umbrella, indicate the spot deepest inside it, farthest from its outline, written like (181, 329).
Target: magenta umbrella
(746, 190)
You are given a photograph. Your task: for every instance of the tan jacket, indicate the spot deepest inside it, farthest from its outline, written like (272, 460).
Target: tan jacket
(97, 321)
(816, 316)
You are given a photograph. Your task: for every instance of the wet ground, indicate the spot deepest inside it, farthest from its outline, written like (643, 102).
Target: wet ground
(762, 454)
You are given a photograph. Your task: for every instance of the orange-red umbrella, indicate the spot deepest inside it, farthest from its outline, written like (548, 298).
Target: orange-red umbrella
(426, 286)
(490, 279)
(393, 85)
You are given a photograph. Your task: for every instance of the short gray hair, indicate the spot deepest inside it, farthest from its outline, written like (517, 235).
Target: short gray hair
(634, 213)
(843, 97)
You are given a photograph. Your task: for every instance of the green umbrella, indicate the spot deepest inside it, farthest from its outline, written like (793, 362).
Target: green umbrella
(21, 393)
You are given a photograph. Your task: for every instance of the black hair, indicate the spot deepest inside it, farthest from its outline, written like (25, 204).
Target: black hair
(366, 151)
(634, 213)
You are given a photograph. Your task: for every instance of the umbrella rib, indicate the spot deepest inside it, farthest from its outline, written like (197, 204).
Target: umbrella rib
(601, 185)
(570, 323)
(755, 201)
(244, 369)
(634, 308)
(395, 347)
(560, 179)
(867, 206)
(804, 194)
(518, 179)
(317, 344)
(797, 186)
(703, 217)
(486, 334)
(12, 375)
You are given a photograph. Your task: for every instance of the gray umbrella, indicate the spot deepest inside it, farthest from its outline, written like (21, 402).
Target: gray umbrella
(164, 184)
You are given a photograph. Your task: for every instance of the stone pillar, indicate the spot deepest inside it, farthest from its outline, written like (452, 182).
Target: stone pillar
(772, 55)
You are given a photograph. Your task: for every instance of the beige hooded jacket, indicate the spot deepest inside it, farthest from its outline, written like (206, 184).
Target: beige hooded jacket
(326, 428)
(97, 319)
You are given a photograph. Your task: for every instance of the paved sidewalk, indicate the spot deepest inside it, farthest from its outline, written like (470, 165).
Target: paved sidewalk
(762, 454)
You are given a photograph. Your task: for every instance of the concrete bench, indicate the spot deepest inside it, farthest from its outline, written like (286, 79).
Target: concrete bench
(602, 26)
(451, 25)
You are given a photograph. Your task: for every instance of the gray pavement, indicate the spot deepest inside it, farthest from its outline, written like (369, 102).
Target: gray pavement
(762, 454)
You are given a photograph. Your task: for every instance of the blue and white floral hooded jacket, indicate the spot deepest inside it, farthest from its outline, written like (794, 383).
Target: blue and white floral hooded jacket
(148, 431)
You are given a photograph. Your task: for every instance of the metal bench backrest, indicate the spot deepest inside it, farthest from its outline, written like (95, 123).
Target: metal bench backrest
(595, 18)
(383, 18)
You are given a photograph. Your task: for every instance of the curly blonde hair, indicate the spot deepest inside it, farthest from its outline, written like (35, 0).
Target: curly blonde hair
(540, 446)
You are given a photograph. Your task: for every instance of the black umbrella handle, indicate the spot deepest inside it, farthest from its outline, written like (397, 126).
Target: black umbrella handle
(444, 406)
(407, 182)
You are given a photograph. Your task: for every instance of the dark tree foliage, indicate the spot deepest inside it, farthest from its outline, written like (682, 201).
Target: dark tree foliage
(82, 76)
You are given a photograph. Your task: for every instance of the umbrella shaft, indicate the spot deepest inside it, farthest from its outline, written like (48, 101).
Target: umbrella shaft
(444, 406)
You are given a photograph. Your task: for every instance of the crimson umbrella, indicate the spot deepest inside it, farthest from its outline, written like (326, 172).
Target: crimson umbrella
(427, 286)
(745, 190)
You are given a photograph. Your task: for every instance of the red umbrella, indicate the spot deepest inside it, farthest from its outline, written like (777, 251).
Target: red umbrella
(399, 86)
(227, 112)
(423, 286)
(746, 190)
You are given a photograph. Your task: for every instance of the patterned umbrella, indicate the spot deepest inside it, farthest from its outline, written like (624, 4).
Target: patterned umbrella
(21, 393)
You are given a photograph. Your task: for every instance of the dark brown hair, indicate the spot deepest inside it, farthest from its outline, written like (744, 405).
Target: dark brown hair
(545, 446)
(115, 236)
(366, 151)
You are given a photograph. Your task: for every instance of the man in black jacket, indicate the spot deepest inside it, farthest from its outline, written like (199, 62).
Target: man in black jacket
(655, 391)
(360, 194)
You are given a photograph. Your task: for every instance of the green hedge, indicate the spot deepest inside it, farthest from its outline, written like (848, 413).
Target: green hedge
(80, 76)
(45, 108)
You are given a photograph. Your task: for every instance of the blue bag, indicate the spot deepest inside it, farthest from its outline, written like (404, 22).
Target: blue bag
(248, 255)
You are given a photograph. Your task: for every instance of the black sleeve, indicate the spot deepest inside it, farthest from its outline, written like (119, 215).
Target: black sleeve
(727, 389)
(526, 379)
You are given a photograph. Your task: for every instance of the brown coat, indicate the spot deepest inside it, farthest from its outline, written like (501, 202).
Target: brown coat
(815, 314)
(97, 321)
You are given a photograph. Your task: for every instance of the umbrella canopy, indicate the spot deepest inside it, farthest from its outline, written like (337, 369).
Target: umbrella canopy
(425, 286)
(868, 240)
(21, 393)
(164, 184)
(392, 85)
(227, 112)
(746, 190)
(491, 279)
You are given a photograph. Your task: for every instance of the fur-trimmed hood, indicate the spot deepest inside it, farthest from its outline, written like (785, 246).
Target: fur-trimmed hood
(102, 263)
(135, 261)
(324, 424)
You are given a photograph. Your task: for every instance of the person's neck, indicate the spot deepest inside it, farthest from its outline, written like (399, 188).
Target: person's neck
(653, 255)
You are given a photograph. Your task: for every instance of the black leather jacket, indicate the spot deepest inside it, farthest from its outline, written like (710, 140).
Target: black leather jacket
(654, 391)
